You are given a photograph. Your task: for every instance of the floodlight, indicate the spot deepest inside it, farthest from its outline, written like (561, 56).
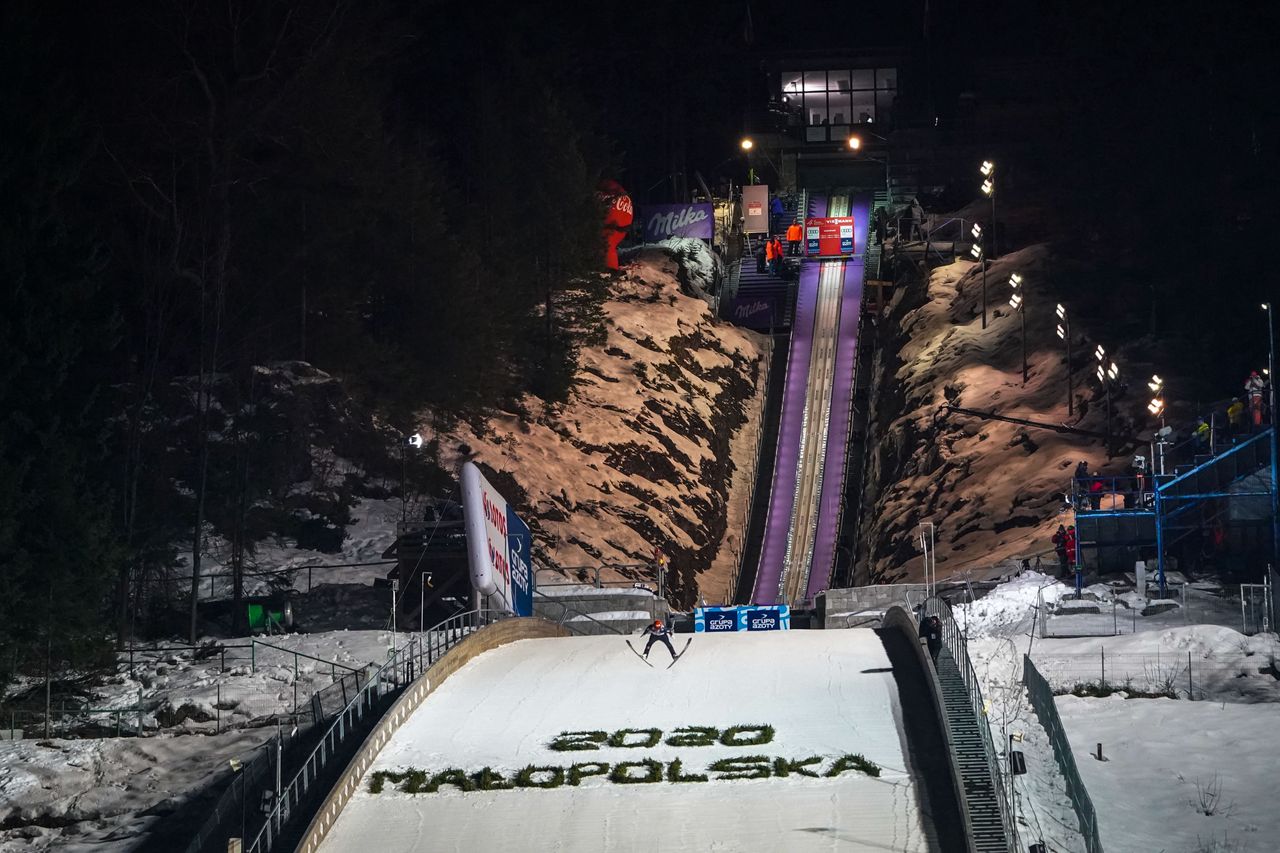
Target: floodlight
(1015, 280)
(1062, 333)
(976, 231)
(1062, 311)
(1015, 301)
(1155, 406)
(1101, 375)
(1099, 353)
(1266, 306)
(987, 168)
(976, 251)
(414, 440)
(1113, 372)
(747, 144)
(988, 187)
(855, 143)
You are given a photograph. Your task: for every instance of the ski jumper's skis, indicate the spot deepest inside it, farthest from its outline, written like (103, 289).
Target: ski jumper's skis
(687, 643)
(643, 659)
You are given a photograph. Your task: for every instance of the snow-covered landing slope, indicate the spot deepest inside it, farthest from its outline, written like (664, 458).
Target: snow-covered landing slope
(826, 694)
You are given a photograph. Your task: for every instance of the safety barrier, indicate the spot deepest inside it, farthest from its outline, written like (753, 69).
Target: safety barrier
(1042, 703)
(468, 646)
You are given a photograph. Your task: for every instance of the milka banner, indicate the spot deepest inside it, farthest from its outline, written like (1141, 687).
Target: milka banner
(677, 220)
(754, 312)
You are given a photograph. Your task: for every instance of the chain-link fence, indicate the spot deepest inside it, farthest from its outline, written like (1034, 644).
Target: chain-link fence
(1247, 672)
(1041, 696)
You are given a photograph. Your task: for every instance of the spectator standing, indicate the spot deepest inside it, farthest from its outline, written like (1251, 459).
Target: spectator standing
(794, 233)
(1071, 546)
(762, 256)
(1095, 492)
(768, 255)
(777, 256)
(1082, 484)
(1235, 418)
(917, 218)
(1253, 387)
(931, 633)
(1060, 548)
(1200, 436)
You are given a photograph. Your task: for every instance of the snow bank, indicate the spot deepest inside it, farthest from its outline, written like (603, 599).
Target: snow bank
(96, 796)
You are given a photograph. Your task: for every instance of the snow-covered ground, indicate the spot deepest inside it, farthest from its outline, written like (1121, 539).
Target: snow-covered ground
(99, 795)
(1162, 754)
(825, 693)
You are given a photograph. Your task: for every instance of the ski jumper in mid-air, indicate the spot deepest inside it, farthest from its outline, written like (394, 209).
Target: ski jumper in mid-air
(657, 632)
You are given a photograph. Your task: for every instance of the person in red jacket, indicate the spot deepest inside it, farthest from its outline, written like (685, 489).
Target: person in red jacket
(1069, 541)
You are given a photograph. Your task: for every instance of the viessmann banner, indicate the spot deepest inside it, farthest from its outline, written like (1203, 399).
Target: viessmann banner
(829, 236)
(677, 220)
(499, 545)
(749, 617)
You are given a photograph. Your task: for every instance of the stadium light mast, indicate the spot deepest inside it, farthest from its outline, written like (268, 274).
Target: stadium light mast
(988, 172)
(1064, 333)
(1018, 303)
(1275, 465)
(976, 251)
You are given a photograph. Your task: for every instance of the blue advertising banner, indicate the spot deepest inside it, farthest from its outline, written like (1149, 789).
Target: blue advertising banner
(677, 220)
(520, 557)
(752, 617)
(771, 618)
(754, 312)
(715, 620)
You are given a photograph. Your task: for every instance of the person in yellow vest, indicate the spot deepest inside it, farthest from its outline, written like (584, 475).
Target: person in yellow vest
(794, 233)
(1235, 417)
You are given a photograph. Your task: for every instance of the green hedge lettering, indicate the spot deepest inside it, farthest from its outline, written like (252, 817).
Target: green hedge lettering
(734, 736)
(577, 741)
(621, 773)
(651, 738)
(743, 767)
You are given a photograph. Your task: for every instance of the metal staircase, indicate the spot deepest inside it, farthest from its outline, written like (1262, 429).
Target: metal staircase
(986, 811)
(973, 760)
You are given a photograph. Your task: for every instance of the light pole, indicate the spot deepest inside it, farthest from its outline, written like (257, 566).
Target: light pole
(1018, 303)
(1064, 332)
(976, 251)
(414, 441)
(1275, 471)
(1106, 375)
(1156, 408)
(988, 172)
(749, 145)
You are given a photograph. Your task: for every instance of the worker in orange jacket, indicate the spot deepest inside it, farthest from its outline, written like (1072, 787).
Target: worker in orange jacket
(769, 259)
(794, 233)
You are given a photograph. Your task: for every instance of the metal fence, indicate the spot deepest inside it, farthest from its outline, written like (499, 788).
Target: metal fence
(316, 772)
(1041, 696)
(1172, 672)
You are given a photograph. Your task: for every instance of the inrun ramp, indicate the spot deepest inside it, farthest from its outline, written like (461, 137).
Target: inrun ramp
(826, 694)
(798, 551)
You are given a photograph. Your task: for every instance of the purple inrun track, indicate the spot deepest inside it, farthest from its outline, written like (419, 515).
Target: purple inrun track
(824, 542)
(782, 492)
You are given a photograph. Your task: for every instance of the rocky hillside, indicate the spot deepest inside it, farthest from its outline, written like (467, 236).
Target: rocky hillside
(993, 489)
(653, 446)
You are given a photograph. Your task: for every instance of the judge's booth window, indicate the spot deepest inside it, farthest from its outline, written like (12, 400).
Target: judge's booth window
(830, 103)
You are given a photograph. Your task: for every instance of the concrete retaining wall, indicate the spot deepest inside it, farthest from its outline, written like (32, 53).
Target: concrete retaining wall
(489, 637)
(899, 618)
(836, 607)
